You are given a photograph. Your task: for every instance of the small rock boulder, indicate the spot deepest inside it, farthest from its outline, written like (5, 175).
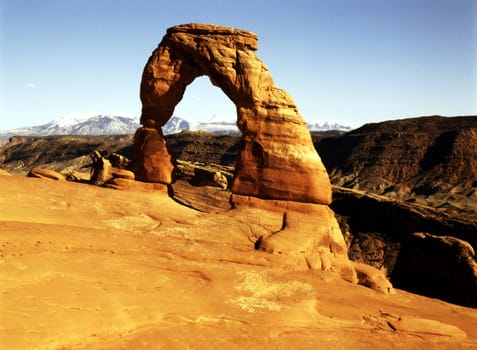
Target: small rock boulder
(101, 169)
(46, 174)
(221, 180)
(122, 174)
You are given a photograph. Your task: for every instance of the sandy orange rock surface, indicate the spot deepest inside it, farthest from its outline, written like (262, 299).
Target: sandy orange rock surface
(84, 267)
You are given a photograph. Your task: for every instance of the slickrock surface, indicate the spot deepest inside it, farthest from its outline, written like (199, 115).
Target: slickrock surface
(277, 159)
(85, 267)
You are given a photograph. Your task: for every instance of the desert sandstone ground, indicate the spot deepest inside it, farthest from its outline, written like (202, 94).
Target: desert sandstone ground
(84, 267)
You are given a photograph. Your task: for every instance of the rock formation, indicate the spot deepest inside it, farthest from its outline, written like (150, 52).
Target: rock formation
(102, 171)
(278, 168)
(221, 180)
(277, 159)
(423, 155)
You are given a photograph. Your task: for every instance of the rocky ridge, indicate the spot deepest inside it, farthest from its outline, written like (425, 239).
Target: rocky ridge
(425, 155)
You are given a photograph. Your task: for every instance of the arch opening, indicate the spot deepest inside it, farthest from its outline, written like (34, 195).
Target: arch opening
(206, 156)
(202, 102)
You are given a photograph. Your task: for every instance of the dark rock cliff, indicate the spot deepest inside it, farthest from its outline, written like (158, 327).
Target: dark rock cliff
(421, 155)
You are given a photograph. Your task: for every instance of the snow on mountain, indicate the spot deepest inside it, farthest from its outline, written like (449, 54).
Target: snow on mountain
(117, 123)
(80, 124)
(175, 125)
(220, 125)
(72, 119)
(91, 124)
(215, 125)
(228, 125)
(327, 126)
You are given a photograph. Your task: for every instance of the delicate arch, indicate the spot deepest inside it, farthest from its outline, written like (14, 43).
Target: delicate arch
(277, 160)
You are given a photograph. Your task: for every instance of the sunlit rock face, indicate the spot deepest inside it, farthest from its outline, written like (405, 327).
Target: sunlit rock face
(277, 159)
(278, 169)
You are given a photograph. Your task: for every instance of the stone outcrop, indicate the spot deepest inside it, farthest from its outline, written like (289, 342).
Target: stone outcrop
(221, 180)
(102, 171)
(277, 159)
(277, 168)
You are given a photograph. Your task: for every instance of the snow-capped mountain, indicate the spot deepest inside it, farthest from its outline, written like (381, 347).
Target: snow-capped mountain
(326, 126)
(175, 125)
(115, 124)
(80, 124)
(214, 125)
(228, 125)
(219, 125)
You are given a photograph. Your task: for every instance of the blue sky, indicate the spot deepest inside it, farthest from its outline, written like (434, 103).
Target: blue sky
(346, 61)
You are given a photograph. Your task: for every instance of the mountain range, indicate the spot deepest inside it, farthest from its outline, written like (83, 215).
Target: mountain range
(114, 124)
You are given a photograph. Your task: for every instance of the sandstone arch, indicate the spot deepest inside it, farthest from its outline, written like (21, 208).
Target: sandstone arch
(277, 171)
(277, 160)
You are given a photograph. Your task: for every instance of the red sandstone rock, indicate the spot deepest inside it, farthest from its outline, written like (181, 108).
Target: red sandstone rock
(151, 160)
(102, 170)
(277, 160)
(46, 174)
(278, 168)
(122, 174)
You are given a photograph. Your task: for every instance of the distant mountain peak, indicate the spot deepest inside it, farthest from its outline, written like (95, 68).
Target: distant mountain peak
(327, 126)
(123, 123)
(72, 119)
(80, 124)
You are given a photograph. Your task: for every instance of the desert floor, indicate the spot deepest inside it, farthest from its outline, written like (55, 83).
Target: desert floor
(84, 267)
